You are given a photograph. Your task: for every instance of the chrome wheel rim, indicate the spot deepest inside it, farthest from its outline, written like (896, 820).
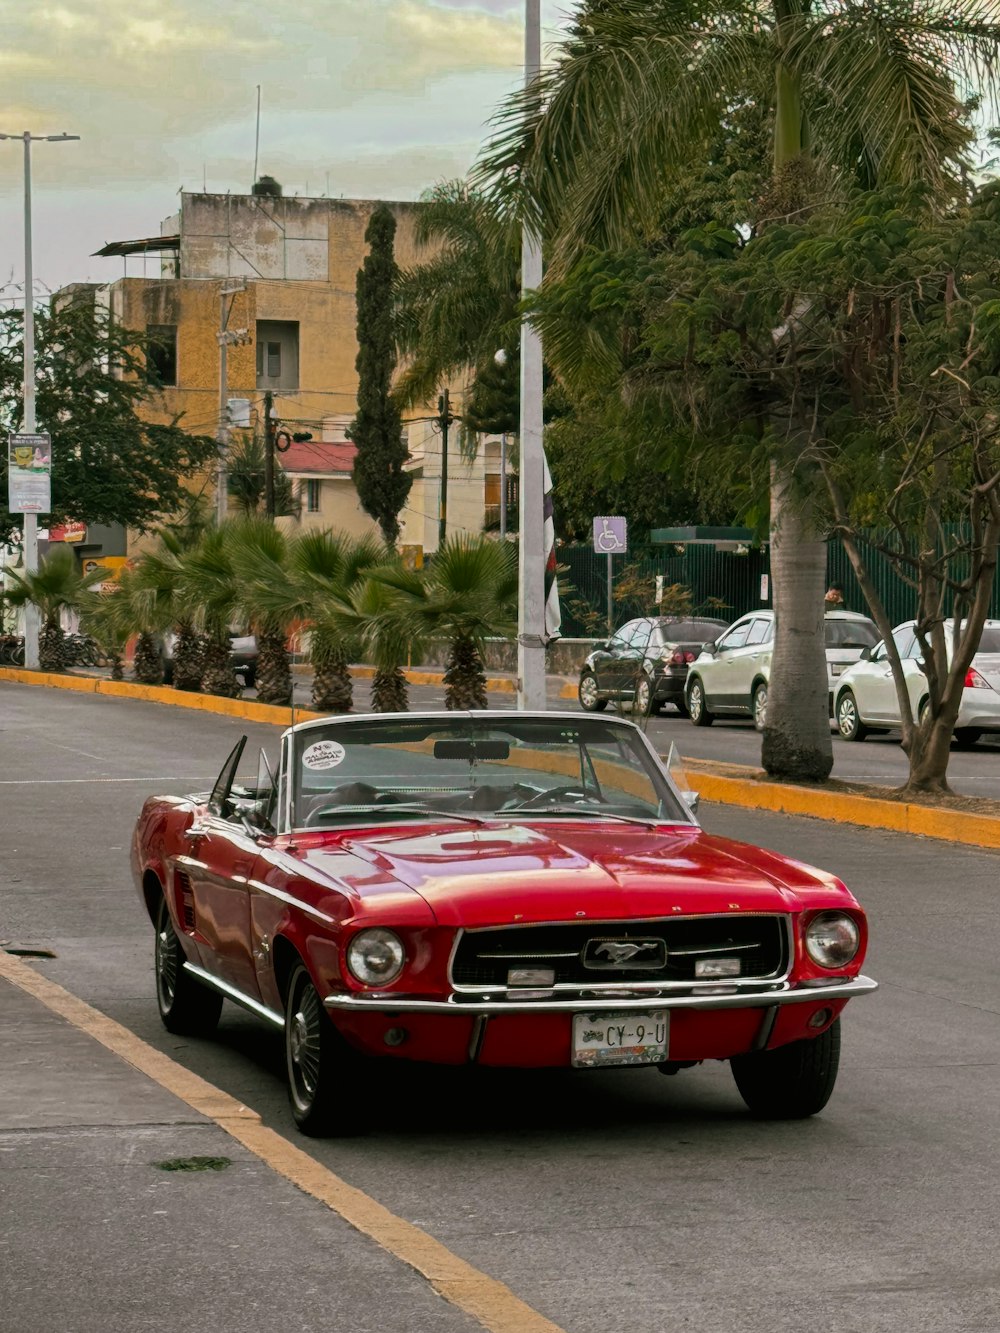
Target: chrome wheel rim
(847, 717)
(694, 702)
(760, 707)
(166, 960)
(588, 691)
(303, 1044)
(642, 696)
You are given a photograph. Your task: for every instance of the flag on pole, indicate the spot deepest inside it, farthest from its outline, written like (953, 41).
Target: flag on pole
(553, 616)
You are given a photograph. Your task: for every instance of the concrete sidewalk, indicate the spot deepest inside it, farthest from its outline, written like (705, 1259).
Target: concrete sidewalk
(122, 1209)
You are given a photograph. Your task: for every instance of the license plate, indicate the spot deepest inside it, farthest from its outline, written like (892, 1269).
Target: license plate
(620, 1037)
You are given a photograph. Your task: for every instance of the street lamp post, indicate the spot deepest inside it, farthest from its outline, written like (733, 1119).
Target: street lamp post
(531, 510)
(30, 540)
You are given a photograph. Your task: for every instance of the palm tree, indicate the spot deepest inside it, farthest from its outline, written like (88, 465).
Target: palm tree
(467, 594)
(146, 604)
(106, 619)
(161, 570)
(323, 570)
(861, 91)
(259, 551)
(208, 594)
(372, 617)
(58, 585)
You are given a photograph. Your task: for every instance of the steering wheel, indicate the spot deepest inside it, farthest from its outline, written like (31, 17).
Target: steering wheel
(354, 793)
(549, 797)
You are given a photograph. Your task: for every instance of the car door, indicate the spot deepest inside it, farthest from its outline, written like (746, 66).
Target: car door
(722, 673)
(610, 663)
(219, 864)
(881, 700)
(631, 660)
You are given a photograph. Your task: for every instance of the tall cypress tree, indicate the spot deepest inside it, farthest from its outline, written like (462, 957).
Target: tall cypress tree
(377, 430)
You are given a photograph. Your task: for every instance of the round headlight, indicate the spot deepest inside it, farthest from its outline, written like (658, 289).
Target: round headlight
(376, 957)
(832, 939)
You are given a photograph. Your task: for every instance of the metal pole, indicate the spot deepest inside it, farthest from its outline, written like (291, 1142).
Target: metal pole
(444, 420)
(503, 486)
(531, 515)
(611, 609)
(30, 520)
(222, 435)
(269, 455)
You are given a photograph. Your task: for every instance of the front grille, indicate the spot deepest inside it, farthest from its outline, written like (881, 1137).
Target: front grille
(484, 957)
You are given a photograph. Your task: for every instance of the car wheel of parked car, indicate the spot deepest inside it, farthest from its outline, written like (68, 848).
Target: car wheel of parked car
(186, 1006)
(697, 711)
(587, 694)
(758, 705)
(321, 1066)
(792, 1082)
(644, 704)
(966, 737)
(849, 723)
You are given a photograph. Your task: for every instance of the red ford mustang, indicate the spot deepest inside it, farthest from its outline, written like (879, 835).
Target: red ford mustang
(519, 889)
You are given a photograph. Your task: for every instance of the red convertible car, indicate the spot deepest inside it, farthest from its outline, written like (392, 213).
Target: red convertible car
(506, 889)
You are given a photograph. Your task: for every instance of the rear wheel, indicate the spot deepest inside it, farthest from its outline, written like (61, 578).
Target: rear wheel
(758, 705)
(322, 1068)
(644, 704)
(697, 711)
(792, 1082)
(186, 1006)
(966, 737)
(587, 693)
(849, 722)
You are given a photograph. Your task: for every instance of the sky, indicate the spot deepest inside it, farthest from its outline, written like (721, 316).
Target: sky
(359, 98)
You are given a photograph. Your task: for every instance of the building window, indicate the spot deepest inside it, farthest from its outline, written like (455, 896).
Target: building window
(277, 355)
(161, 354)
(312, 496)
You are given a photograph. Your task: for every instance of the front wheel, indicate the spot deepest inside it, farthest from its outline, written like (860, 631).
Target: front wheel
(186, 1006)
(758, 705)
(644, 704)
(587, 693)
(697, 711)
(849, 722)
(793, 1082)
(324, 1097)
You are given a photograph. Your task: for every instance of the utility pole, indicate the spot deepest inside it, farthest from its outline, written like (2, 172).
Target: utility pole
(531, 509)
(30, 535)
(503, 486)
(227, 337)
(444, 421)
(269, 454)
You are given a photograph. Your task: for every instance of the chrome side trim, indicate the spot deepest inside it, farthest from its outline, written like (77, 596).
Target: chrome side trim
(765, 997)
(237, 996)
(260, 887)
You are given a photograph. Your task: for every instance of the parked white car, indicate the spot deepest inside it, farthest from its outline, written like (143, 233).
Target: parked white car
(866, 693)
(730, 677)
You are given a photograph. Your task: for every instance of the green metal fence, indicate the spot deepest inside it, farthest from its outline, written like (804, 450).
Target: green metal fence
(722, 583)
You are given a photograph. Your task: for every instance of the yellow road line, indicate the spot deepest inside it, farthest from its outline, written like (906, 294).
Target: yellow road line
(492, 1303)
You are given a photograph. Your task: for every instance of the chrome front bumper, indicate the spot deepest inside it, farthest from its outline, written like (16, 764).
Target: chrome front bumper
(720, 998)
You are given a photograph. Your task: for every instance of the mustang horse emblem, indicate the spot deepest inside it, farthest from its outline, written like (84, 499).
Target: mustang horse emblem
(620, 951)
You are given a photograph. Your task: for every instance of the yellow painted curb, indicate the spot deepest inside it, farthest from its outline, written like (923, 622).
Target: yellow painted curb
(499, 684)
(493, 1304)
(847, 808)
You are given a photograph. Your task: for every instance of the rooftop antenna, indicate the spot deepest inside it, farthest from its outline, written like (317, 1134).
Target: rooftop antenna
(204, 179)
(256, 145)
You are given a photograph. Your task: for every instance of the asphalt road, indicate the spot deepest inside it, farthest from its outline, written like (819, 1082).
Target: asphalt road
(621, 1202)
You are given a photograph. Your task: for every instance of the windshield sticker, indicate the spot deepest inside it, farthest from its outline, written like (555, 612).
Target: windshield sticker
(323, 754)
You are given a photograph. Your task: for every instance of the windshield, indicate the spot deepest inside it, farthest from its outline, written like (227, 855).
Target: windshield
(514, 767)
(851, 633)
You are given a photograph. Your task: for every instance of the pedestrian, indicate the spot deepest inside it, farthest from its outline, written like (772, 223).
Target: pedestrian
(834, 599)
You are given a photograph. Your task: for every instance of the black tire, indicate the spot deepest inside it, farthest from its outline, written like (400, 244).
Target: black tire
(323, 1071)
(793, 1082)
(587, 694)
(697, 711)
(643, 703)
(849, 723)
(758, 705)
(186, 1007)
(966, 737)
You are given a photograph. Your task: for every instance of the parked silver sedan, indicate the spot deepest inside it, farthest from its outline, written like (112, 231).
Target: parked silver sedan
(866, 699)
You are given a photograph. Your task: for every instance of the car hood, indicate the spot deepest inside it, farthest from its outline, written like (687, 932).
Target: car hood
(531, 872)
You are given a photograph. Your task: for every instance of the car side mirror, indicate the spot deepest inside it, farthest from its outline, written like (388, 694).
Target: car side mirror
(709, 647)
(866, 655)
(690, 799)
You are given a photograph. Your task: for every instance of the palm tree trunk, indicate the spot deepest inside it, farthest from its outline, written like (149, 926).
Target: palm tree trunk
(274, 673)
(389, 694)
(117, 666)
(333, 688)
(797, 744)
(147, 665)
(189, 655)
(52, 646)
(465, 678)
(218, 676)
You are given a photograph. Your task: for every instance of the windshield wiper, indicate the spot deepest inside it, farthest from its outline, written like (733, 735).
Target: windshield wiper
(584, 812)
(334, 811)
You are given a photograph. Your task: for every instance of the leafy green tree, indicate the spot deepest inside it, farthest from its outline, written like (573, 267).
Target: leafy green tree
(466, 594)
(57, 585)
(108, 464)
(855, 92)
(379, 475)
(246, 482)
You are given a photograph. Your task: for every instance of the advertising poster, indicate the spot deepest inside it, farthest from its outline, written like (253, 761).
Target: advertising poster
(29, 474)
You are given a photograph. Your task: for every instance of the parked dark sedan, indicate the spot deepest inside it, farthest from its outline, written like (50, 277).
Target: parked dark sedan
(646, 661)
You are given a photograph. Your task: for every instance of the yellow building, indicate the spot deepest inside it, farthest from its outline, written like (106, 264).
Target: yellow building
(275, 277)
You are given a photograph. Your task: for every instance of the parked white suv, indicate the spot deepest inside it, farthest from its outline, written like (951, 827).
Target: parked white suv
(730, 677)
